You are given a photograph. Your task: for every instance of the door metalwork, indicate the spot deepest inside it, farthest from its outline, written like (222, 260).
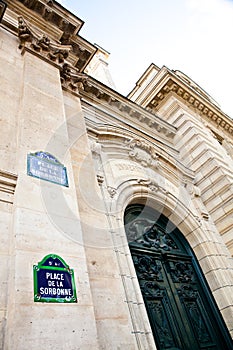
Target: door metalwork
(180, 307)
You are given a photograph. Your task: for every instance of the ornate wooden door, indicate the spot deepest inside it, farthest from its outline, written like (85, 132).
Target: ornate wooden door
(181, 310)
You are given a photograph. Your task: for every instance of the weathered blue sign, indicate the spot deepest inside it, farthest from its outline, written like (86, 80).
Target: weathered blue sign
(46, 167)
(54, 281)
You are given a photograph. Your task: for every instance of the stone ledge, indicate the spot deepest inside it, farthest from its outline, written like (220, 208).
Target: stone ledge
(98, 92)
(7, 186)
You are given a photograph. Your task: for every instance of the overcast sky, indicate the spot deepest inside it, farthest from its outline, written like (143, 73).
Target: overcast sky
(193, 36)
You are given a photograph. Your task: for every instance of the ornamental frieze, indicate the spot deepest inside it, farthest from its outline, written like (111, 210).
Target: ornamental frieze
(51, 11)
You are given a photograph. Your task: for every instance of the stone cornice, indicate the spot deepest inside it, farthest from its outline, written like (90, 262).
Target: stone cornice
(97, 92)
(49, 19)
(7, 186)
(106, 128)
(42, 45)
(50, 11)
(192, 96)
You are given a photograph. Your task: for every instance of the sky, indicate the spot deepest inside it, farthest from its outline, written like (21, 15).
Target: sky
(193, 36)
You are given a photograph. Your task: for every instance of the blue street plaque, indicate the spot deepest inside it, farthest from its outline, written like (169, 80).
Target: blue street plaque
(54, 281)
(45, 166)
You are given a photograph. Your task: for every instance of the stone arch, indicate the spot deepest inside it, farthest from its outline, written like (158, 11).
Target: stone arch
(199, 235)
(138, 187)
(176, 296)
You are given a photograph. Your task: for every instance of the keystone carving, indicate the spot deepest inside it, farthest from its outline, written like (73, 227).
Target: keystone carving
(41, 43)
(143, 153)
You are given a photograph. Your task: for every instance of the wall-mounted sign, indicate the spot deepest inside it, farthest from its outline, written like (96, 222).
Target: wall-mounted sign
(45, 166)
(54, 281)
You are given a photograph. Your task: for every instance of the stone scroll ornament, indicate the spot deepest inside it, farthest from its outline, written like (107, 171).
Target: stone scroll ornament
(41, 43)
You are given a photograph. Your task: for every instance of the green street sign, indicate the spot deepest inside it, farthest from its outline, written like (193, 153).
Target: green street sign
(54, 281)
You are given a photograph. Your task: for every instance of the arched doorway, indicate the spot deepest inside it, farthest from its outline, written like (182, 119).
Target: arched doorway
(181, 310)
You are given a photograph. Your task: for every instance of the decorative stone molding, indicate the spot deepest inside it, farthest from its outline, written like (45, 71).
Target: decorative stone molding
(7, 186)
(205, 215)
(95, 147)
(191, 100)
(142, 152)
(228, 145)
(93, 89)
(112, 191)
(50, 12)
(196, 191)
(71, 78)
(152, 185)
(41, 43)
(62, 27)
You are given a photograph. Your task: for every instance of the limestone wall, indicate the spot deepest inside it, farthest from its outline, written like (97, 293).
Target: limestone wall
(43, 218)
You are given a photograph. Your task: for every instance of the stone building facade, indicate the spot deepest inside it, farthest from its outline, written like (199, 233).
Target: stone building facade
(145, 215)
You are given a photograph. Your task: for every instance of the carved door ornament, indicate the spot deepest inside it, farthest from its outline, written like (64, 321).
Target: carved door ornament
(180, 307)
